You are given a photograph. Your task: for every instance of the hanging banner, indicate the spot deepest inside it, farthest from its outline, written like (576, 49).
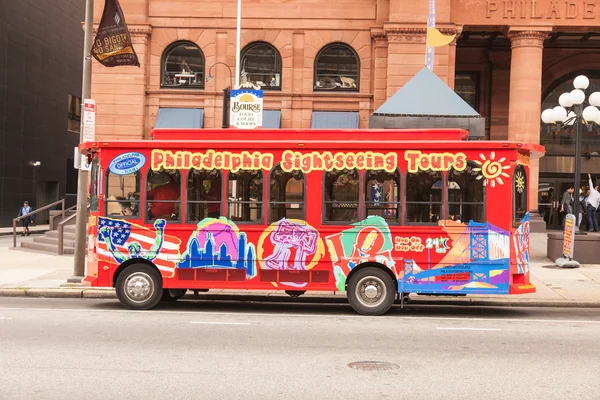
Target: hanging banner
(246, 109)
(89, 120)
(112, 46)
(569, 236)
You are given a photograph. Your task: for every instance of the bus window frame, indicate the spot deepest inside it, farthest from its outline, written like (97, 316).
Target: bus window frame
(359, 205)
(447, 202)
(261, 220)
(146, 201)
(303, 203)
(442, 202)
(107, 201)
(187, 202)
(95, 184)
(398, 221)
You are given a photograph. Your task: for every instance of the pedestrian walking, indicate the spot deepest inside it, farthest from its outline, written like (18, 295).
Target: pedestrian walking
(566, 203)
(26, 209)
(592, 206)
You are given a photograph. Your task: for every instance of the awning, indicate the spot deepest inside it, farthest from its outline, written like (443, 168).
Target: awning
(180, 118)
(335, 119)
(271, 119)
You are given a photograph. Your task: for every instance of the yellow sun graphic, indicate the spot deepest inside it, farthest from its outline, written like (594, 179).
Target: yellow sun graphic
(491, 169)
(520, 182)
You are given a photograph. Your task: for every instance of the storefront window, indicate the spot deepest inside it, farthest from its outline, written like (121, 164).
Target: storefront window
(337, 67)
(341, 196)
(261, 65)
(203, 195)
(466, 85)
(520, 192)
(163, 195)
(286, 199)
(382, 195)
(245, 196)
(183, 66)
(466, 196)
(423, 197)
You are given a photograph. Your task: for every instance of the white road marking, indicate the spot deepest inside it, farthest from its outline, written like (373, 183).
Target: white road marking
(5, 317)
(280, 315)
(219, 323)
(467, 329)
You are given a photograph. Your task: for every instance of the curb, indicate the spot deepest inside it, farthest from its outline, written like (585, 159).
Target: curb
(85, 293)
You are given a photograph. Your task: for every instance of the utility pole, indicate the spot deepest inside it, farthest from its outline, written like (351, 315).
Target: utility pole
(82, 182)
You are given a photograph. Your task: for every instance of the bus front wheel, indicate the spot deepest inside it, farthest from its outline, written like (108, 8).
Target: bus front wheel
(371, 292)
(139, 287)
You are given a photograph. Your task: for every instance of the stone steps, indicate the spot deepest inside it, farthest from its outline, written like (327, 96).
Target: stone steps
(48, 243)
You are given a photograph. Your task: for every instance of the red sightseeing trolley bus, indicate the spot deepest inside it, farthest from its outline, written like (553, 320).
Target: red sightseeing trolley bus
(375, 213)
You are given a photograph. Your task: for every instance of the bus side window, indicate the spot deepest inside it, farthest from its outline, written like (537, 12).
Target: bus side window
(423, 197)
(341, 195)
(163, 194)
(466, 195)
(286, 195)
(382, 195)
(520, 193)
(245, 196)
(94, 184)
(204, 194)
(123, 195)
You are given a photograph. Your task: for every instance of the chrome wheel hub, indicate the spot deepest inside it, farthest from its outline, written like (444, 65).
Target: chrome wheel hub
(371, 291)
(139, 287)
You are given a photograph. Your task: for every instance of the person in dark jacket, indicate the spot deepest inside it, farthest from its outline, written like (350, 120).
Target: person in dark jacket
(566, 203)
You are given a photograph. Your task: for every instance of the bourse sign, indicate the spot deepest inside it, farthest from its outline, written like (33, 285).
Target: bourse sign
(246, 109)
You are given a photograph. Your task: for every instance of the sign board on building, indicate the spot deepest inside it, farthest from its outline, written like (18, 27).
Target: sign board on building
(569, 236)
(89, 120)
(246, 109)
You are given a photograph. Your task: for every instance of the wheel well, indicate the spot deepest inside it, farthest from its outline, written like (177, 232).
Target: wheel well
(129, 263)
(372, 265)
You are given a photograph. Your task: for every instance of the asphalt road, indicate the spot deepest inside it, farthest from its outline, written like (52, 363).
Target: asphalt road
(93, 349)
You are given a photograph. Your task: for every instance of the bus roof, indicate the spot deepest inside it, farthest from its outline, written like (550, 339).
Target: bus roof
(313, 139)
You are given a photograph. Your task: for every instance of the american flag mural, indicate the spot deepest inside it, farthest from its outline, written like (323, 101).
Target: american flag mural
(377, 193)
(119, 240)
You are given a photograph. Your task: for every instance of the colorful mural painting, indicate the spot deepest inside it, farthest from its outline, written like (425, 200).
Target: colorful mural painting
(520, 240)
(369, 240)
(120, 240)
(218, 243)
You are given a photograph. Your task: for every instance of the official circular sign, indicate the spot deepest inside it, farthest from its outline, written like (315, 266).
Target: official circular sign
(127, 163)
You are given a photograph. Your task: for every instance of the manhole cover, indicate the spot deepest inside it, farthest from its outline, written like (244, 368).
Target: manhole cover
(373, 366)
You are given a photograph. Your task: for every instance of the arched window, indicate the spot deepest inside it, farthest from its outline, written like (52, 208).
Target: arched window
(245, 196)
(204, 194)
(520, 193)
(261, 65)
(423, 197)
(163, 193)
(341, 196)
(337, 67)
(183, 66)
(466, 195)
(286, 195)
(123, 195)
(382, 195)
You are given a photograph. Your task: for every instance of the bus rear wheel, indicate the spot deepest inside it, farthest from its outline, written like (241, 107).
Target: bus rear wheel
(173, 294)
(139, 287)
(371, 292)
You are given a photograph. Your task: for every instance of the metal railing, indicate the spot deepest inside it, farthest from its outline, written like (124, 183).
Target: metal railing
(61, 229)
(52, 217)
(46, 207)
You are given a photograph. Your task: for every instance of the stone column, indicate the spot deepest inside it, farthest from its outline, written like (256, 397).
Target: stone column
(379, 67)
(525, 95)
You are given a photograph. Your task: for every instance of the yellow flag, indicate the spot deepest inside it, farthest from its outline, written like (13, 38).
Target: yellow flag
(436, 39)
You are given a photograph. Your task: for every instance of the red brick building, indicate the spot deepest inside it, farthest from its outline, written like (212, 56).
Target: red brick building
(510, 60)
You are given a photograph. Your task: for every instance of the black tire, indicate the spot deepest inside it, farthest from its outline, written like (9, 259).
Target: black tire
(173, 294)
(371, 291)
(146, 293)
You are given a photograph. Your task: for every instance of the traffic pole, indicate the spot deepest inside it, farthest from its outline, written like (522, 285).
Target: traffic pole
(82, 181)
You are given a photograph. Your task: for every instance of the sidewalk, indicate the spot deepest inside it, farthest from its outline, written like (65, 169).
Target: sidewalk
(6, 231)
(42, 275)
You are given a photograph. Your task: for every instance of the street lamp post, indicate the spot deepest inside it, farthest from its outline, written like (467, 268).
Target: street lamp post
(225, 121)
(571, 112)
(574, 110)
